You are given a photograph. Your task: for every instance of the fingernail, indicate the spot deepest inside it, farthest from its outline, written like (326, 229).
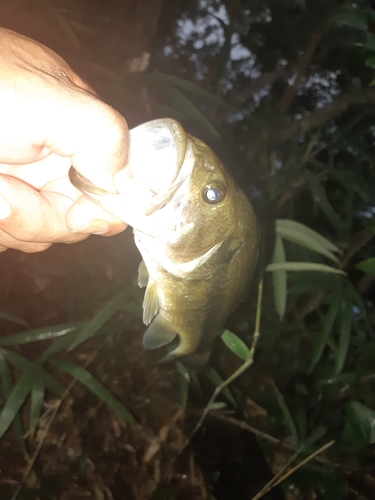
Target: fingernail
(5, 208)
(96, 226)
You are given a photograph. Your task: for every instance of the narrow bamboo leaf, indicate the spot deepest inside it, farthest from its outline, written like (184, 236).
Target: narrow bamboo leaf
(316, 434)
(95, 386)
(319, 195)
(217, 406)
(39, 334)
(215, 378)
(279, 278)
(345, 330)
(24, 364)
(104, 315)
(60, 344)
(15, 400)
(13, 318)
(187, 109)
(305, 231)
(37, 397)
(184, 384)
(303, 266)
(192, 88)
(305, 239)
(7, 385)
(301, 417)
(287, 416)
(367, 266)
(329, 319)
(235, 344)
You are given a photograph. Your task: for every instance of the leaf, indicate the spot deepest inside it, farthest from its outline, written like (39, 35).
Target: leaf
(359, 430)
(184, 106)
(353, 19)
(319, 196)
(287, 416)
(304, 236)
(7, 385)
(37, 397)
(192, 88)
(13, 318)
(304, 266)
(235, 344)
(24, 364)
(345, 330)
(370, 62)
(39, 334)
(215, 378)
(328, 321)
(367, 266)
(104, 315)
(15, 400)
(184, 384)
(95, 386)
(279, 278)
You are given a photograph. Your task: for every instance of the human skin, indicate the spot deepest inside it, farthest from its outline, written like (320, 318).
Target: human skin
(51, 119)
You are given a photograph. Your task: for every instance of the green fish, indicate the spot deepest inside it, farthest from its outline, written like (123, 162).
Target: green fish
(196, 231)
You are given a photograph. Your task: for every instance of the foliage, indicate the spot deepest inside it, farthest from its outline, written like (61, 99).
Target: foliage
(283, 91)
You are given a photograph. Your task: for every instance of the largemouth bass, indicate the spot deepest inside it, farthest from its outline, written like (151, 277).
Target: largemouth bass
(196, 231)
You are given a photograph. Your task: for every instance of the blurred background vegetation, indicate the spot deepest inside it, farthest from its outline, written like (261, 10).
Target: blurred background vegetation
(283, 91)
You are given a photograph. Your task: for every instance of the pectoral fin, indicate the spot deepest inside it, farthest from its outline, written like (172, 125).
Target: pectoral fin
(150, 302)
(142, 275)
(158, 334)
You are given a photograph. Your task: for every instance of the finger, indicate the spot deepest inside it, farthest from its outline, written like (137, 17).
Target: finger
(8, 242)
(92, 134)
(34, 217)
(82, 216)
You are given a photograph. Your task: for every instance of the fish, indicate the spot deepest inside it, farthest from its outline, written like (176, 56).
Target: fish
(196, 231)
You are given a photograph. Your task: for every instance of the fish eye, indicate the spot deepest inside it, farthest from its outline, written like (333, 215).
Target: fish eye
(213, 194)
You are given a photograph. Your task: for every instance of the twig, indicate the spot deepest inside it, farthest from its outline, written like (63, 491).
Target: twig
(276, 480)
(240, 370)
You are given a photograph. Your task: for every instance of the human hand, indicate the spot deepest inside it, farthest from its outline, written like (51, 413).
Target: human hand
(50, 119)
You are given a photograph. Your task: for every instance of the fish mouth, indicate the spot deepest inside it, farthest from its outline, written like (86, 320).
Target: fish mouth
(158, 166)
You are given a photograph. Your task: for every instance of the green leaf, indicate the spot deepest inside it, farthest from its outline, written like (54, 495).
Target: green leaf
(12, 317)
(235, 344)
(353, 19)
(359, 430)
(306, 237)
(220, 405)
(184, 384)
(367, 266)
(24, 364)
(370, 62)
(104, 315)
(7, 385)
(37, 396)
(215, 378)
(192, 88)
(184, 106)
(287, 415)
(15, 400)
(95, 386)
(304, 266)
(345, 330)
(279, 278)
(319, 196)
(39, 334)
(329, 319)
